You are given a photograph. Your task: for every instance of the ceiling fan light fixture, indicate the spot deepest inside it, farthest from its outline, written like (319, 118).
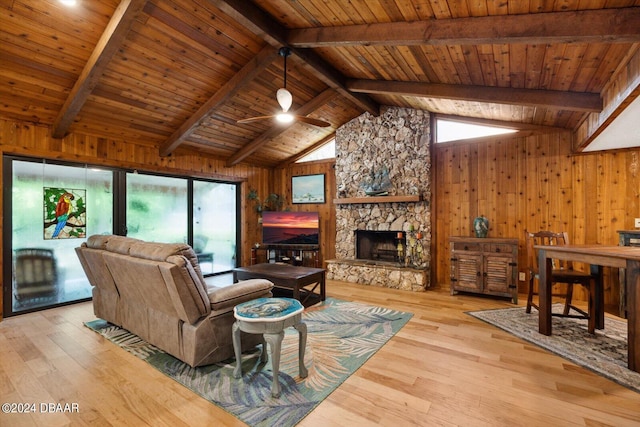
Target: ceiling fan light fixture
(284, 117)
(285, 99)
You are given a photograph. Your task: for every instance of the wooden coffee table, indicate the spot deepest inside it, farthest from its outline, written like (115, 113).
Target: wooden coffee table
(306, 283)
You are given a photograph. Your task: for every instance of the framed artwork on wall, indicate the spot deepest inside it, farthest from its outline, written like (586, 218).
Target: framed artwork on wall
(65, 213)
(307, 189)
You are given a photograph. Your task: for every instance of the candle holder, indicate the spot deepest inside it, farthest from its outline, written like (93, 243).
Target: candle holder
(400, 246)
(415, 249)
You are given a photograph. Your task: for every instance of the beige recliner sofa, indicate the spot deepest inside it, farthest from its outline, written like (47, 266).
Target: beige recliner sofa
(157, 291)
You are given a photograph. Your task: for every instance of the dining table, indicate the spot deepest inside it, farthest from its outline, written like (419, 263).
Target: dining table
(597, 256)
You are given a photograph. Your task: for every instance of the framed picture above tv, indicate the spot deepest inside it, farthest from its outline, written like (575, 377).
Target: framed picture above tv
(307, 189)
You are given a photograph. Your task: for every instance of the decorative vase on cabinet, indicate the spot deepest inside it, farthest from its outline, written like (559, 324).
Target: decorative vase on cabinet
(481, 226)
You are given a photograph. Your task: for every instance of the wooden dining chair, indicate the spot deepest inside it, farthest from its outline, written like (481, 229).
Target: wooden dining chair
(562, 272)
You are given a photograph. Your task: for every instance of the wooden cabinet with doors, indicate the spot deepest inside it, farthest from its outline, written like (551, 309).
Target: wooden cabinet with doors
(486, 266)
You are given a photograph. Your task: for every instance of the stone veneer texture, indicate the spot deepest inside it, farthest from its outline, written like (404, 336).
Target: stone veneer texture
(399, 140)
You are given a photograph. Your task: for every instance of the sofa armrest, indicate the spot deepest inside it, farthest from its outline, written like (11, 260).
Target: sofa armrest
(225, 298)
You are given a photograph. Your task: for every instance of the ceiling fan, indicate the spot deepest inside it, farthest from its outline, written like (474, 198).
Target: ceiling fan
(285, 99)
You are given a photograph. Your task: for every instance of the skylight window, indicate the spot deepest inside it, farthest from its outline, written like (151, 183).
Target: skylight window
(327, 151)
(450, 130)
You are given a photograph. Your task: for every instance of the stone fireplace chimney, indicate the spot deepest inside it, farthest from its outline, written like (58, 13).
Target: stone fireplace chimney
(398, 142)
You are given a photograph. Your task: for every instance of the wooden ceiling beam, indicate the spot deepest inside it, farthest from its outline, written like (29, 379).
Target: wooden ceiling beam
(620, 25)
(574, 101)
(110, 41)
(332, 78)
(240, 80)
(263, 139)
(264, 26)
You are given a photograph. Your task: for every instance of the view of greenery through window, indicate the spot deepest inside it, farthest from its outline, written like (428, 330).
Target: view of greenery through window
(65, 276)
(214, 224)
(157, 208)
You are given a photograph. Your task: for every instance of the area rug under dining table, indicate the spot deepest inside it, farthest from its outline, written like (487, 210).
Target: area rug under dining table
(341, 337)
(604, 352)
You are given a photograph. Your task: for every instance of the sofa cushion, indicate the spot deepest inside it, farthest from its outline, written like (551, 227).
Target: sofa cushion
(111, 243)
(224, 298)
(97, 241)
(161, 251)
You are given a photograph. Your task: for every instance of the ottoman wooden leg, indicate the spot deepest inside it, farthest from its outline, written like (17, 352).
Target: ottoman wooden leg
(275, 342)
(237, 349)
(302, 344)
(263, 354)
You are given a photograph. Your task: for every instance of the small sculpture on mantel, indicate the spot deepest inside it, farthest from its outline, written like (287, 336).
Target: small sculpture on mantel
(377, 183)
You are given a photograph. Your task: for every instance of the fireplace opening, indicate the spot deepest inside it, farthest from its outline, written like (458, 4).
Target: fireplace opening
(380, 245)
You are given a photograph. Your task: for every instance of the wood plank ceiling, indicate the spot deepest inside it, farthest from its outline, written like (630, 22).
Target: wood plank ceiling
(178, 74)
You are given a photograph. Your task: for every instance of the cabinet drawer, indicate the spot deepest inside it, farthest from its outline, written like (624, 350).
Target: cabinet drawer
(467, 246)
(500, 248)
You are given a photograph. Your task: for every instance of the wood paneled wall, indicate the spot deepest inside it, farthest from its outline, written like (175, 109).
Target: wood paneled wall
(327, 210)
(27, 139)
(534, 184)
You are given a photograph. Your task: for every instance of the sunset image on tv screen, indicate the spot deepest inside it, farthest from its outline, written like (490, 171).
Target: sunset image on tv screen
(292, 228)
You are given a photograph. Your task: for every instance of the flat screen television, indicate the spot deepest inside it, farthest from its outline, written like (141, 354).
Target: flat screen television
(290, 228)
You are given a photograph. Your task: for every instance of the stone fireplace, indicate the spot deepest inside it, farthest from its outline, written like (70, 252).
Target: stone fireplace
(397, 141)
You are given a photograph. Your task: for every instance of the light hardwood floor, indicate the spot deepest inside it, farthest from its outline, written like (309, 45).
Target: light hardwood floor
(444, 368)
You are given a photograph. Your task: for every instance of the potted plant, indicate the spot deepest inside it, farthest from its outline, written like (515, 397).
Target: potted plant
(273, 202)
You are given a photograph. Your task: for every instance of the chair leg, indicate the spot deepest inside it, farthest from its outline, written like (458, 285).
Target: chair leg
(568, 299)
(530, 295)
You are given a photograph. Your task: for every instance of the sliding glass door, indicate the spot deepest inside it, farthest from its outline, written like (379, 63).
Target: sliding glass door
(215, 231)
(158, 210)
(51, 208)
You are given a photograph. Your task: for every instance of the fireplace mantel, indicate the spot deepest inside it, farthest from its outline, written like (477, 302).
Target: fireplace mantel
(377, 199)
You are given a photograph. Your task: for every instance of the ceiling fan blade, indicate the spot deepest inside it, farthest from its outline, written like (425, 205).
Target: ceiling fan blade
(304, 119)
(253, 119)
(314, 122)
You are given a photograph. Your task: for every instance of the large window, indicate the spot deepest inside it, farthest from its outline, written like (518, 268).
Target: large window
(457, 130)
(325, 151)
(52, 208)
(41, 267)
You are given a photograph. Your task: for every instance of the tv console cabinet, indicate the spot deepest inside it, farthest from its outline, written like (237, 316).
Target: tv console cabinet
(302, 255)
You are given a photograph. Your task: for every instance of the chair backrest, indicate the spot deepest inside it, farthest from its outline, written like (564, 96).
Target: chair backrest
(547, 238)
(35, 266)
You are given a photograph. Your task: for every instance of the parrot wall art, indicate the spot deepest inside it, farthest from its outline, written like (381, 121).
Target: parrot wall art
(64, 208)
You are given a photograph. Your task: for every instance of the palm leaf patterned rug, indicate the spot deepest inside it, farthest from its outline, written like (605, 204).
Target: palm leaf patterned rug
(341, 337)
(604, 352)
